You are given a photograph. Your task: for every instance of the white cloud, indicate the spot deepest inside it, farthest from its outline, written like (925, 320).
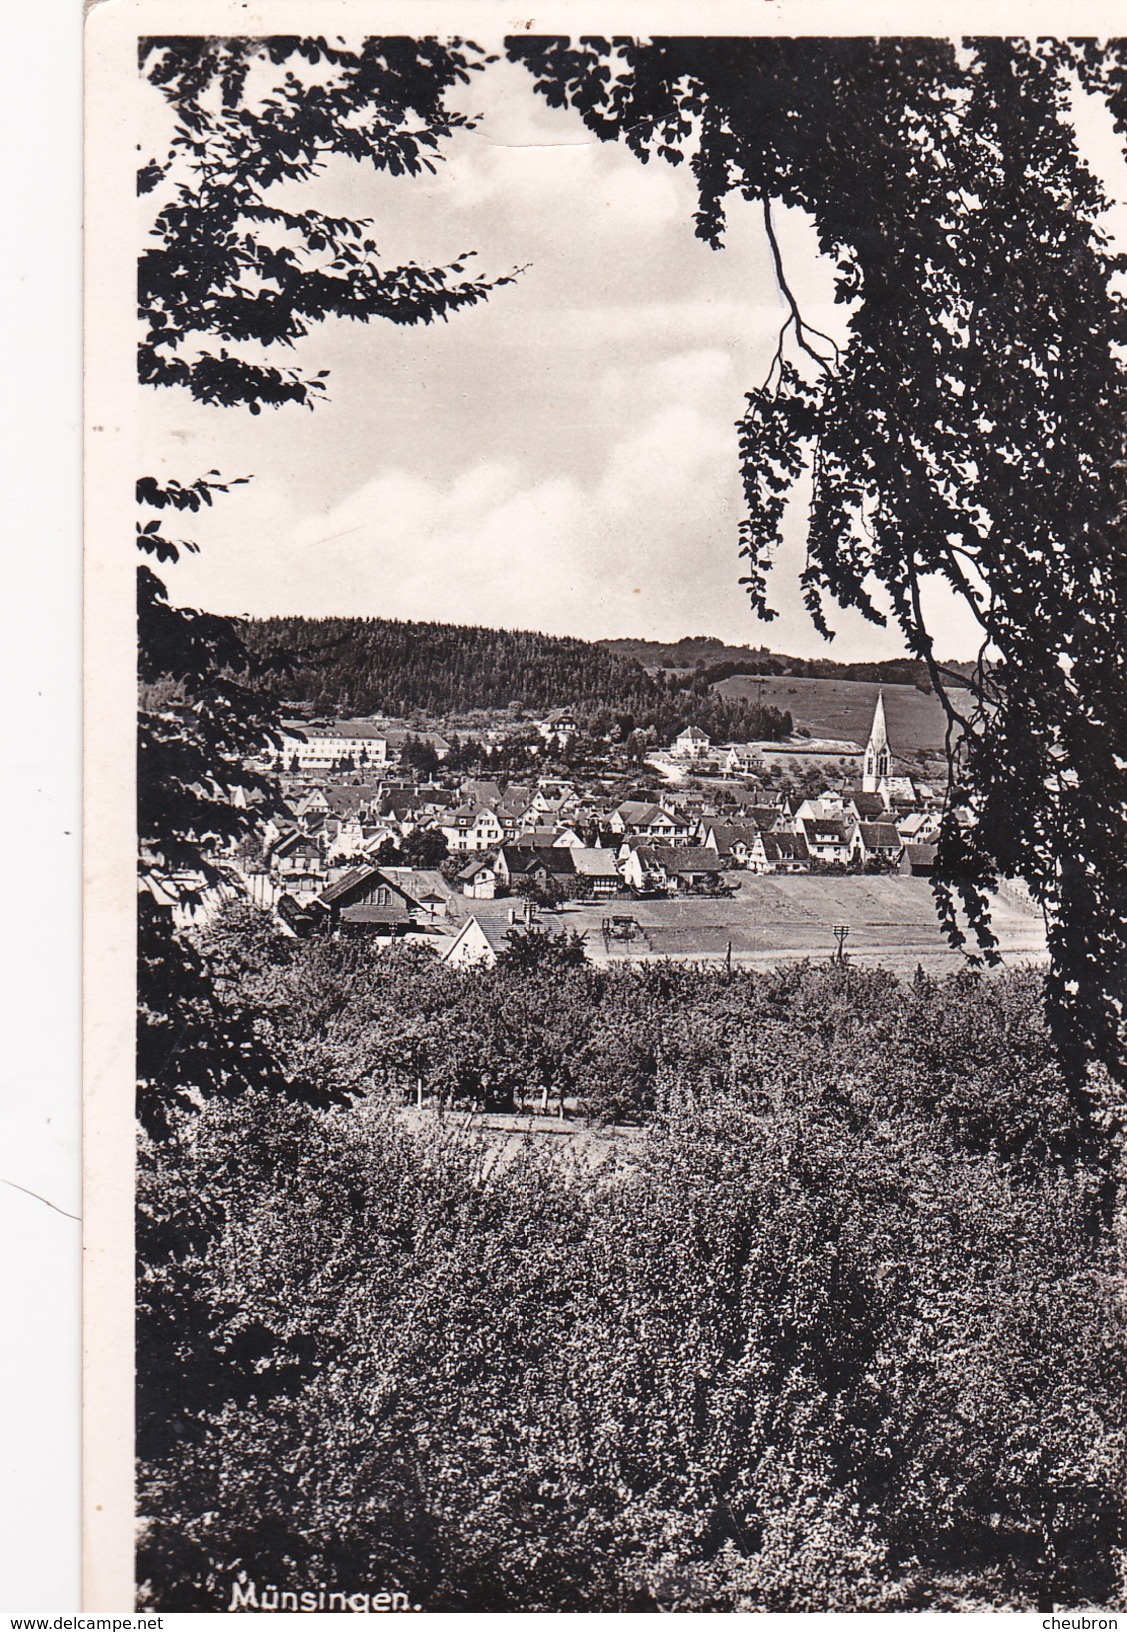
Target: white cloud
(499, 542)
(563, 457)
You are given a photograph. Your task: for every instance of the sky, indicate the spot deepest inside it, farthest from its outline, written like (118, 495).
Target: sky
(563, 457)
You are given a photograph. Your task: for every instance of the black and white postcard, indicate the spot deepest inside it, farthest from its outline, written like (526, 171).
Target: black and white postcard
(606, 808)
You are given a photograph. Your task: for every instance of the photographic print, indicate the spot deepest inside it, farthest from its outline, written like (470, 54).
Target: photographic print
(605, 989)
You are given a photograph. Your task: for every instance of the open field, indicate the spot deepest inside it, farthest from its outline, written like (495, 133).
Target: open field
(778, 919)
(844, 708)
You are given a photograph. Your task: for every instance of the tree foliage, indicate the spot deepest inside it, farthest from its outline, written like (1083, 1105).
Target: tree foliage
(231, 268)
(831, 1334)
(237, 264)
(970, 427)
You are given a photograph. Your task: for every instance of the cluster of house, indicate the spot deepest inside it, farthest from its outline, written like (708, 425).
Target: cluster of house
(375, 855)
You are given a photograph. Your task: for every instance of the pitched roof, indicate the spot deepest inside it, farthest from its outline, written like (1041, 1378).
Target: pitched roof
(869, 805)
(823, 830)
(421, 882)
(397, 734)
(481, 791)
(400, 805)
(468, 814)
(522, 858)
(879, 835)
(593, 863)
(493, 920)
(789, 846)
(480, 865)
(543, 838)
(296, 844)
(358, 879)
(347, 796)
(636, 812)
(687, 859)
(728, 834)
(355, 729)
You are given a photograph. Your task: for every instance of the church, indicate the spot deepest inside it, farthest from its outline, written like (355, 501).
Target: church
(877, 766)
(877, 775)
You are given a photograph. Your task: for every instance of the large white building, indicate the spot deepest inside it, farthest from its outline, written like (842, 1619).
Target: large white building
(323, 747)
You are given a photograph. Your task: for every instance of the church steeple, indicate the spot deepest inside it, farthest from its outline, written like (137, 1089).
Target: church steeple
(878, 754)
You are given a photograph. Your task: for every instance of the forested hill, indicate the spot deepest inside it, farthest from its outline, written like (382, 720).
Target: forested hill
(351, 666)
(713, 660)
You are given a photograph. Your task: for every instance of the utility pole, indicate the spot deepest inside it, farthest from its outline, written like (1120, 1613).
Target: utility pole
(841, 931)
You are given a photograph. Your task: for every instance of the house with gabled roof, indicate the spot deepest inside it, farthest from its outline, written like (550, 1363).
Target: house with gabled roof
(544, 838)
(479, 791)
(479, 879)
(314, 803)
(826, 838)
(406, 810)
(691, 743)
(918, 860)
(298, 862)
(515, 814)
(732, 841)
(779, 852)
(317, 748)
(866, 807)
(427, 886)
(345, 799)
(473, 947)
(917, 826)
(560, 723)
(545, 866)
(874, 841)
(486, 932)
(596, 870)
(674, 868)
(901, 792)
(650, 822)
(368, 901)
(471, 827)
(741, 759)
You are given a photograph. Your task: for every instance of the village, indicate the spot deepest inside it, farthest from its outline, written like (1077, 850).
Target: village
(739, 853)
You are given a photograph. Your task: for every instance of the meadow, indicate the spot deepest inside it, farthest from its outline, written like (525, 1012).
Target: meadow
(776, 918)
(844, 708)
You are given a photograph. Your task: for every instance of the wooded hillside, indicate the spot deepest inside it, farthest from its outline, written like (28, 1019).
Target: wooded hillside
(380, 665)
(713, 660)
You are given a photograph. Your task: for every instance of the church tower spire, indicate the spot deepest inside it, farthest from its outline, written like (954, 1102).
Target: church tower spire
(878, 754)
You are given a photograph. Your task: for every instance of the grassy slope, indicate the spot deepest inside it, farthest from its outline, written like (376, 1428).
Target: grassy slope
(844, 708)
